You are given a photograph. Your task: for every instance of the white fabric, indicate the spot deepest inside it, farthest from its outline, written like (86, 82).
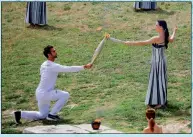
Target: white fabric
(49, 72)
(45, 92)
(44, 104)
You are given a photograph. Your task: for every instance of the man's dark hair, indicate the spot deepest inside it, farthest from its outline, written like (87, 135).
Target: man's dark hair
(47, 50)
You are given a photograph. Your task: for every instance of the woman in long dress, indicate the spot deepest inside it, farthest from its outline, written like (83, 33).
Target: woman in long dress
(157, 88)
(36, 13)
(146, 5)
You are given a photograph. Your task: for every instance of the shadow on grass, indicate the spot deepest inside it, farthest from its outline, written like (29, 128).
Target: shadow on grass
(12, 124)
(10, 131)
(62, 121)
(175, 110)
(157, 11)
(46, 27)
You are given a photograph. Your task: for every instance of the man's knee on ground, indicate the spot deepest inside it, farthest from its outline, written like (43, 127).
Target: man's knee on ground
(43, 115)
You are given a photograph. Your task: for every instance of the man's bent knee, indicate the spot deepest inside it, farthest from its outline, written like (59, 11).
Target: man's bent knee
(65, 95)
(43, 116)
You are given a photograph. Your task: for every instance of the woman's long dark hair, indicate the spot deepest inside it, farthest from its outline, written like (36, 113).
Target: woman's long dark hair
(165, 28)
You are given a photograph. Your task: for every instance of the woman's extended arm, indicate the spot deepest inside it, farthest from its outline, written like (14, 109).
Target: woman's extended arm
(171, 38)
(139, 43)
(142, 43)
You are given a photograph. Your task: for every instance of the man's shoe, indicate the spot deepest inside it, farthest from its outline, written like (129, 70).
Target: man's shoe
(57, 117)
(53, 117)
(17, 116)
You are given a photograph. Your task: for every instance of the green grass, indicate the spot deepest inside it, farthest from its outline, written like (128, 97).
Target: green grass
(115, 88)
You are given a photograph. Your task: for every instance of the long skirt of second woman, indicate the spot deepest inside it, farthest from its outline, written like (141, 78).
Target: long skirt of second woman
(145, 5)
(157, 88)
(36, 13)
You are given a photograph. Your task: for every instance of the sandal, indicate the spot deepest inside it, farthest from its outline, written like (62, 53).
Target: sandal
(158, 106)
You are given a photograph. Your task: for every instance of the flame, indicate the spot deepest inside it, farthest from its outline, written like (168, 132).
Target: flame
(98, 120)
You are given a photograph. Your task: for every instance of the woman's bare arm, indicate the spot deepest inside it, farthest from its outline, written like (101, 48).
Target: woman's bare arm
(142, 43)
(154, 39)
(171, 38)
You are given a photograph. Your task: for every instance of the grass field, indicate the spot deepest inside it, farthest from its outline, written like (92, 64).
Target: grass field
(115, 88)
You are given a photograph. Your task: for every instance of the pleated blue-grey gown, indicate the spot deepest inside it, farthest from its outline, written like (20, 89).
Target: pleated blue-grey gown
(36, 13)
(157, 88)
(145, 5)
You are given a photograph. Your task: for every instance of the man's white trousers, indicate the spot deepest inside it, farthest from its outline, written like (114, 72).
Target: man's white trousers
(44, 99)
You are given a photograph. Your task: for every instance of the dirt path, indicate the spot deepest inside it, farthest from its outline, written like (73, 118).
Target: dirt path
(177, 126)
